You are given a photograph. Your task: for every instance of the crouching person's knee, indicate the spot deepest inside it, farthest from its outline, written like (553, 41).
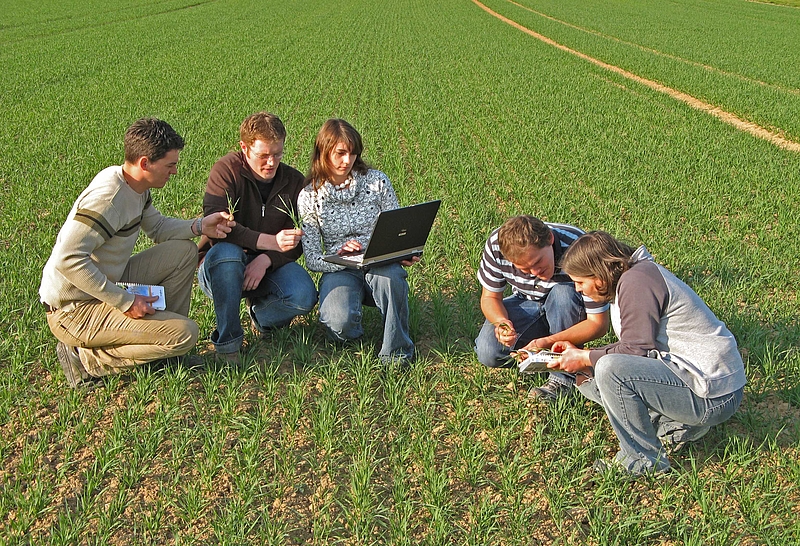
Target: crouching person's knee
(305, 299)
(343, 325)
(186, 337)
(492, 359)
(488, 350)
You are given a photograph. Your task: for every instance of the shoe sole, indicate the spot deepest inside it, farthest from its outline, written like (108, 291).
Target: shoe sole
(70, 364)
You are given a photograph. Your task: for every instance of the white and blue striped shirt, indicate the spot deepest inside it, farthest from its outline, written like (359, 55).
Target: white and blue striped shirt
(495, 271)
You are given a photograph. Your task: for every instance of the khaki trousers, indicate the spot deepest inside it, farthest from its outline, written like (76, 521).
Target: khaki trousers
(110, 342)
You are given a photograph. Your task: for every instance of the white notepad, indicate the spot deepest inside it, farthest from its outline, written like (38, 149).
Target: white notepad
(536, 361)
(147, 290)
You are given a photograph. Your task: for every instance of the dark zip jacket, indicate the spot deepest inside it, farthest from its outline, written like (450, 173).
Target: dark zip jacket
(231, 178)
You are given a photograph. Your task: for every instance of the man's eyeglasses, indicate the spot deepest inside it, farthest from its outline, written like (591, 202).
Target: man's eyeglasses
(266, 157)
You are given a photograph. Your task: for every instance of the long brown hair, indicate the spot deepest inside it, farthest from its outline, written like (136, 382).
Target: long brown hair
(598, 255)
(332, 133)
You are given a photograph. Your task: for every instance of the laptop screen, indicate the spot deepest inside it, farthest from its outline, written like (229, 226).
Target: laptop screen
(402, 229)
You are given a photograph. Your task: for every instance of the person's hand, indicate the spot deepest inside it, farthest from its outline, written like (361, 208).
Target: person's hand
(287, 239)
(505, 333)
(561, 346)
(411, 261)
(538, 343)
(142, 305)
(350, 247)
(217, 225)
(255, 271)
(573, 360)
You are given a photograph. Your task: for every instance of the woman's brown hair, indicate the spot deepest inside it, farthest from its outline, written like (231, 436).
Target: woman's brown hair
(330, 134)
(598, 255)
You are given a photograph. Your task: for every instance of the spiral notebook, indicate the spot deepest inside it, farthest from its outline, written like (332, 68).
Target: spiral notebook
(147, 290)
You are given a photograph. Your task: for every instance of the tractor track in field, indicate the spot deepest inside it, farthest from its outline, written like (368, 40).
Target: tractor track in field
(36, 35)
(774, 137)
(640, 47)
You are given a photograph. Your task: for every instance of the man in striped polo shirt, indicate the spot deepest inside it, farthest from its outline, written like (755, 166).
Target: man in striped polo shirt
(543, 307)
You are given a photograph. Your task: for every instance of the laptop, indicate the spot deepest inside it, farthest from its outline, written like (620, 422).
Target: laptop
(398, 235)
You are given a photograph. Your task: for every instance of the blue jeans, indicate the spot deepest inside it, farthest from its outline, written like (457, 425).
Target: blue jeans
(291, 292)
(342, 293)
(562, 308)
(646, 402)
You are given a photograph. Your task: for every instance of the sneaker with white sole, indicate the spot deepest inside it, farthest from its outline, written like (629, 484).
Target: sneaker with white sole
(551, 391)
(71, 364)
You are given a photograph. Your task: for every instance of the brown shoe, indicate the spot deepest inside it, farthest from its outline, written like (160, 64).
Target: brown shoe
(71, 364)
(234, 357)
(258, 332)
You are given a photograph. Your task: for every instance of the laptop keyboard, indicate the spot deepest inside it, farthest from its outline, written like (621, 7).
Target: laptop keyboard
(356, 258)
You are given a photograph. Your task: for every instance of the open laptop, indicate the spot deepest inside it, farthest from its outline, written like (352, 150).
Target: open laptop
(399, 234)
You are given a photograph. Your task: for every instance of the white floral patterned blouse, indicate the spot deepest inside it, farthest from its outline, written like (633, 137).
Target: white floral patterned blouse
(334, 216)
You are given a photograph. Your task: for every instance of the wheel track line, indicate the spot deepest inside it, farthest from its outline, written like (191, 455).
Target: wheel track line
(640, 47)
(121, 21)
(754, 129)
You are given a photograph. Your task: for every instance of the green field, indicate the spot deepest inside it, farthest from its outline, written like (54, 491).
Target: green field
(307, 442)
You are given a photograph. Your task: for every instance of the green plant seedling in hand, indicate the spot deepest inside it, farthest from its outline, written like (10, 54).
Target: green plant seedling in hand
(231, 205)
(288, 210)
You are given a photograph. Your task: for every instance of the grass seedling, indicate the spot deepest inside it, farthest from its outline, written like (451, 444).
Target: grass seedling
(212, 462)
(190, 503)
(287, 208)
(303, 349)
(483, 513)
(400, 519)
(361, 507)
(231, 204)
(506, 329)
(504, 326)
(152, 521)
(297, 221)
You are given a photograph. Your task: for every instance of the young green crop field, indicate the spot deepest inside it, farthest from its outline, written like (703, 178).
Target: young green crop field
(308, 442)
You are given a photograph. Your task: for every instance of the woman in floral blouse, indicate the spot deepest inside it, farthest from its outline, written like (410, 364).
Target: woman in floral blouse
(339, 208)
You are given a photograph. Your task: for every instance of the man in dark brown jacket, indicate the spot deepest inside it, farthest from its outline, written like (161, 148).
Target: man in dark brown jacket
(257, 259)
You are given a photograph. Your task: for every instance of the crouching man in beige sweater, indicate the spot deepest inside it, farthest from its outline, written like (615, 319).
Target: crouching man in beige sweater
(101, 328)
